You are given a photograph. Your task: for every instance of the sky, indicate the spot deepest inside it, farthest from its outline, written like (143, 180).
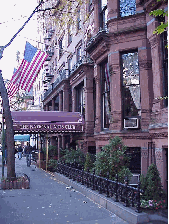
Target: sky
(13, 14)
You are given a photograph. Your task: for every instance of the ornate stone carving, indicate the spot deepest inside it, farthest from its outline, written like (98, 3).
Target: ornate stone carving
(146, 65)
(154, 40)
(144, 153)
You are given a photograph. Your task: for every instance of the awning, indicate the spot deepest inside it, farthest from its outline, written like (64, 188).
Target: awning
(47, 121)
(22, 138)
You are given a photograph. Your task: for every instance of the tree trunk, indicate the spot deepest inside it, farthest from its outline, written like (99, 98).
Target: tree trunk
(9, 130)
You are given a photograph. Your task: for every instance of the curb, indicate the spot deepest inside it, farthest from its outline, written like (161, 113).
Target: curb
(123, 212)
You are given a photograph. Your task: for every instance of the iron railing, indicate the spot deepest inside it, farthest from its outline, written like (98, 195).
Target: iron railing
(128, 195)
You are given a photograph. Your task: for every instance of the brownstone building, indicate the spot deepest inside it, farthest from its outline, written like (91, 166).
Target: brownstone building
(114, 72)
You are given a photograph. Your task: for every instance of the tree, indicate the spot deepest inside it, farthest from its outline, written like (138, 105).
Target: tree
(113, 159)
(151, 184)
(9, 130)
(160, 13)
(6, 108)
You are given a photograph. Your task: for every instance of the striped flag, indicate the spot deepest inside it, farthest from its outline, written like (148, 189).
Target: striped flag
(13, 85)
(30, 66)
(27, 72)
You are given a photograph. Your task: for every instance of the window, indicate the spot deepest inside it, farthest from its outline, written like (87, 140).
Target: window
(57, 103)
(60, 47)
(69, 34)
(164, 42)
(69, 60)
(135, 159)
(106, 106)
(78, 20)
(127, 7)
(103, 14)
(90, 5)
(80, 99)
(79, 54)
(131, 85)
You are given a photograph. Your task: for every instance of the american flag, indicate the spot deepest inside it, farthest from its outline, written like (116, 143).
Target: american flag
(13, 85)
(27, 72)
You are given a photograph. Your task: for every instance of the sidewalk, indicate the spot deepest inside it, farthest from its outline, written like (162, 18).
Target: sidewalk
(49, 201)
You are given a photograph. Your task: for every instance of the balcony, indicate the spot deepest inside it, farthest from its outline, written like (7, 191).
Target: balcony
(62, 76)
(50, 53)
(49, 91)
(83, 61)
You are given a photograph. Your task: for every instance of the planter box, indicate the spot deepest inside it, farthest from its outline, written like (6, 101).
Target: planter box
(15, 183)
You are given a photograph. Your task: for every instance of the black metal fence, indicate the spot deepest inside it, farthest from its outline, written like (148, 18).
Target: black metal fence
(129, 196)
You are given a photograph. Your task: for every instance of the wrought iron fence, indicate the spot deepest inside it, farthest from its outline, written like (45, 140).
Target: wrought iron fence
(128, 195)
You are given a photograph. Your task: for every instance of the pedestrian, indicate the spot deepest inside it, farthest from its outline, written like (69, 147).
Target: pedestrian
(5, 158)
(28, 151)
(20, 152)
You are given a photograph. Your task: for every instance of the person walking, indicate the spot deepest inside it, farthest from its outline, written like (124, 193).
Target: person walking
(28, 154)
(5, 155)
(20, 152)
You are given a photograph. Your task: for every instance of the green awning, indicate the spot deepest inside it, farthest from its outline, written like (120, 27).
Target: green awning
(22, 138)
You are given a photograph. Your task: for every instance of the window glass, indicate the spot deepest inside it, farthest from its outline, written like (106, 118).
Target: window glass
(80, 97)
(131, 85)
(106, 106)
(127, 7)
(79, 54)
(103, 15)
(103, 3)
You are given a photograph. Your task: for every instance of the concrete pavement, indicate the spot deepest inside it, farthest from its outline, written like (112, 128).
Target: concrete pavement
(49, 201)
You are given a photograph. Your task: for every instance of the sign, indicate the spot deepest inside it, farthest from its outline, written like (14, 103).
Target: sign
(48, 127)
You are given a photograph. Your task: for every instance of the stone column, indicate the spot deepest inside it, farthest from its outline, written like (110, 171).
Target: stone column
(113, 9)
(66, 98)
(60, 101)
(73, 100)
(98, 121)
(63, 142)
(146, 84)
(156, 63)
(47, 107)
(96, 16)
(89, 106)
(144, 160)
(59, 145)
(53, 104)
(115, 91)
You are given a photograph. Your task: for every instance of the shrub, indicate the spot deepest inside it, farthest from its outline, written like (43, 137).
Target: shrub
(72, 156)
(52, 151)
(89, 162)
(151, 184)
(113, 159)
(52, 165)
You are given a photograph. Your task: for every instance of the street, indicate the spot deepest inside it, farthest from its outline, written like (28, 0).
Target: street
(49, 201)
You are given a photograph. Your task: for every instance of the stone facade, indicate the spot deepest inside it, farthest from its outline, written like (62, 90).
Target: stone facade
(86, 89)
